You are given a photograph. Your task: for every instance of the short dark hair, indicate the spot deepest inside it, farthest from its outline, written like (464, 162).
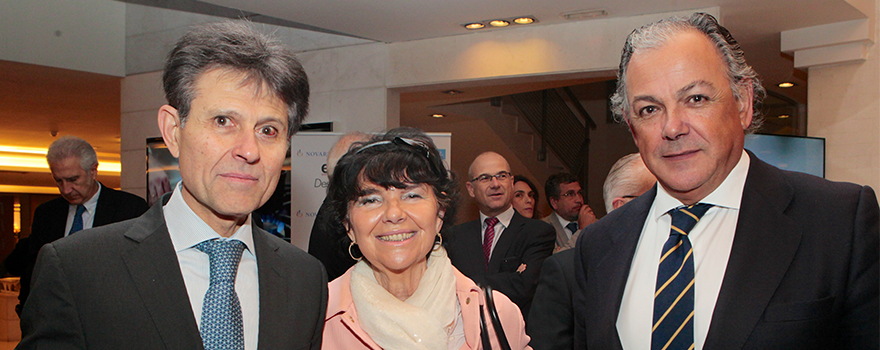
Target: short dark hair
(238, 47)
(657, 33)
(518, 178)
(551, 186)
(390, 161)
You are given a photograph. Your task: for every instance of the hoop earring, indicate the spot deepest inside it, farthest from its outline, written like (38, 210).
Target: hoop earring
(352, 255)
(438, 245)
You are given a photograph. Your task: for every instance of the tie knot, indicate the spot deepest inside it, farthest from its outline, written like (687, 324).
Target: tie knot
(491, 221)
(684, 218)
(224, 256)
(80, 209)
(572, 226)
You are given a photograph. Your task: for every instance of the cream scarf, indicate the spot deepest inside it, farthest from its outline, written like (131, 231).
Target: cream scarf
(419, 323)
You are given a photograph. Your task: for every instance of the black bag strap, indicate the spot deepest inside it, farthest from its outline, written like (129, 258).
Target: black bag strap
(496, 322)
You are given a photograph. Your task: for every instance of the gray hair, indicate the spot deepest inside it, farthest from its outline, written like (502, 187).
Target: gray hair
(72, 146)
(625, 176)
(656, 34)
(341, 148)
(237, 47)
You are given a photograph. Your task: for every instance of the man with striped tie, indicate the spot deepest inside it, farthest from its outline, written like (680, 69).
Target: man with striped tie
(727, 252)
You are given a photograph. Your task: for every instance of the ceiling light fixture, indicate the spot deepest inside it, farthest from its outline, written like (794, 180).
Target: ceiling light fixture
(500, 22)
(786, 84)
(783, 116)
(583, 14)
(437, 115)
(452, 92)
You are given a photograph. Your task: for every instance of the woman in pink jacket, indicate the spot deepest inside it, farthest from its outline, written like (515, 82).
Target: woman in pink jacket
(393, 194)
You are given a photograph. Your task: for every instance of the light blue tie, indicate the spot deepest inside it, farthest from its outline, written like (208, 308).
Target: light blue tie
(77, 220)
(221, 326)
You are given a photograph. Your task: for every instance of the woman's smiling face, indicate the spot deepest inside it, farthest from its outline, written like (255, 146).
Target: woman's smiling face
(394, 227)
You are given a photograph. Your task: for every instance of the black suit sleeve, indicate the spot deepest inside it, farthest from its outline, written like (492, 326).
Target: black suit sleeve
(520, 286)
(859, 327)
(53, 322)
(551, 323)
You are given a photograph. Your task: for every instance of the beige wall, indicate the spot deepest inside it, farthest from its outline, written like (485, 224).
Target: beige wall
(844, 108)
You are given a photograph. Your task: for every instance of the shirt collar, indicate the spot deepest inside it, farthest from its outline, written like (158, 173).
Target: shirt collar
(91, 204)
(562, 221)
(187, 229)
(727, 195)
(503, 218)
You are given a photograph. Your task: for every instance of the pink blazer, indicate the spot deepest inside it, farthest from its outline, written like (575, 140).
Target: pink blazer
(343, 331)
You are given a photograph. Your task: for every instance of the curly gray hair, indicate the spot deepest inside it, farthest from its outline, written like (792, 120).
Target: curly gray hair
(656, 34)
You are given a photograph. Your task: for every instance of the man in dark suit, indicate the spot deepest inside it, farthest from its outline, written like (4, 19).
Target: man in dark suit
(551, 319)
(779, 260)
(193, 272)
(74, 166)
(502, 249)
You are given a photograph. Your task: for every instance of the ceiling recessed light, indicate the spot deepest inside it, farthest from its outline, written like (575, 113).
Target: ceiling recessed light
(452, 92)
(786, 84)
(524, 20)
(437, 115)
(475, 25)
(783, 116)
(499, 23)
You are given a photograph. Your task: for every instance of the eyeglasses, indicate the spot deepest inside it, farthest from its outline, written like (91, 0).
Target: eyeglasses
(573, 193)
(486, 178)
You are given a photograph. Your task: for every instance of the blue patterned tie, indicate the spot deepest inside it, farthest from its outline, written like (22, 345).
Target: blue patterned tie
(221, 325)
(674, 296)
(77, 220)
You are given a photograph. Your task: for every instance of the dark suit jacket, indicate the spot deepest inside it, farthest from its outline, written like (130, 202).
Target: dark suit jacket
(324, 244)
(551, 319)
(803, 269)
(120, 287)
(525, 241)
(50, 219)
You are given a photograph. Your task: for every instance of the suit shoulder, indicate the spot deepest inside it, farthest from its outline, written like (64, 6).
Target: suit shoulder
(52, 205)
(125, 197)
(290, 252)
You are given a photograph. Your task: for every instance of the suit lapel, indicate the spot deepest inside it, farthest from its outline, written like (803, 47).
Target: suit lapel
(154, 268)
(274, 296)
(764, 246)
(618, 250)
(105, 207)
(505, 242)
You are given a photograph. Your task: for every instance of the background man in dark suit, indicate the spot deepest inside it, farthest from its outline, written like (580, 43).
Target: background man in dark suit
(551, 319)
(570, 214)
(165, 279)
(74, 166)
(781, 260)
(510, 260)
(333, 253)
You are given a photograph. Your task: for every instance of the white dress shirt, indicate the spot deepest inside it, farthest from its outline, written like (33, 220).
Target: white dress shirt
(88, 215)
(564, 224)
(503, 222)
(187, 230)
(711, 238)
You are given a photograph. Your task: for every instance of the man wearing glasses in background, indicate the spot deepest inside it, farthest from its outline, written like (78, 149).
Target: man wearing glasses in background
(502, 249)
(570, 214)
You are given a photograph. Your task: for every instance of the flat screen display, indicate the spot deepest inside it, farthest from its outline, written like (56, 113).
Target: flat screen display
(795, 153)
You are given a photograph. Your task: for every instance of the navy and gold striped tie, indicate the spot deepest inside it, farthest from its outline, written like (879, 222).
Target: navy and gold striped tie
(674, 297)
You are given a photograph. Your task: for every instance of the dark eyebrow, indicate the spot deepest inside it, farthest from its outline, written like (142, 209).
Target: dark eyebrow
(681, 93)
(646, 98)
